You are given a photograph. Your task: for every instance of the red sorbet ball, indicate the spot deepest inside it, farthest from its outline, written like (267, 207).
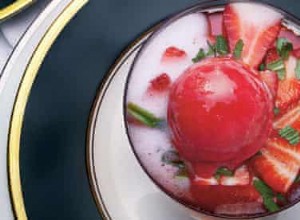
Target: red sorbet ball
(219, 111)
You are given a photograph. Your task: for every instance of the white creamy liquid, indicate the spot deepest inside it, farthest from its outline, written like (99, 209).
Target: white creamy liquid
(188, 33)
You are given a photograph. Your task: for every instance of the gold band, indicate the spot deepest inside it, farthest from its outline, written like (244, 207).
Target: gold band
(21, 101)
(14, 8)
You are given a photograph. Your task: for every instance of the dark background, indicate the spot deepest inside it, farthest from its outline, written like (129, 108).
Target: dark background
(4, 3)
(53, 167)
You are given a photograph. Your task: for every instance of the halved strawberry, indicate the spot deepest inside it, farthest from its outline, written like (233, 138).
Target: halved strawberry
(288, 119)
(278, 165)
(289, 88)
(271, 80)
(241, 177)
(173, 53)
(257, 25)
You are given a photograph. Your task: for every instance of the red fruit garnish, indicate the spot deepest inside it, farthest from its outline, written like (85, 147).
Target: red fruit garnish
(160, 84)
(290, 36)
(219, 112)
(272, 56)
(278, 165)
(215, 22)
(210, 197)
(172, 53)
(291, 118)
(296, 53)
(289, 88)
(271, 80)
(257, 25)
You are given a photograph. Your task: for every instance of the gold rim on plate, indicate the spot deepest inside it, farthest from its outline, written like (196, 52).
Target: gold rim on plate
(14, 8)
(21, 101)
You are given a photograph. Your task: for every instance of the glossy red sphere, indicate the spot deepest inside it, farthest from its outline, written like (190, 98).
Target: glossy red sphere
(219, 111)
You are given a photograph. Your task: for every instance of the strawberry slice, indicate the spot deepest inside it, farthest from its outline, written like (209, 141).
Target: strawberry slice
(278, 165)
(289, 88)
(271, 80)
(257, 25)
(291, 118)
(241, 177)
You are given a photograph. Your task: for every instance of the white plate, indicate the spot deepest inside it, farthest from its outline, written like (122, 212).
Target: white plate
(28, 36)
(5, 51)
(121, 188)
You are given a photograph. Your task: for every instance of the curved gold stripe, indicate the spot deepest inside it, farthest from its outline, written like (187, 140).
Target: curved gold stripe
(21, 101)
(14, 8)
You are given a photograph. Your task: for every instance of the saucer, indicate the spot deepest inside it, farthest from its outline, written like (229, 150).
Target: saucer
(120, 187)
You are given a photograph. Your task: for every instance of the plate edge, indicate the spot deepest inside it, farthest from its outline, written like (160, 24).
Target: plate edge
(16, 123)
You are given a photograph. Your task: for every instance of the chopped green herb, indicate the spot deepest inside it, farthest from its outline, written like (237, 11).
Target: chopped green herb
(276, 111)
(171, 157)
(211, 49)
(221, 45)
(182, 173)
(281, 74)
(262, 67)
(284, 47)
(297, 180)
(267, 194)
(290, 134)
(238, 49)
(223, 171)
(297, 70)
(143, 116)
(278, 67)
(200, 55)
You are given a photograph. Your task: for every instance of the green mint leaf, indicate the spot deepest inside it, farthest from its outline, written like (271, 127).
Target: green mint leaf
(221, 45)
(297, 70)
(223, 171)
(143, 116)
(211, 49)
(200, 56)
(297, 180)
(284, 47)
(290, 134)
(276, 65)
(238, 49)
(262, 67)
(279, 67)
(267, 194)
